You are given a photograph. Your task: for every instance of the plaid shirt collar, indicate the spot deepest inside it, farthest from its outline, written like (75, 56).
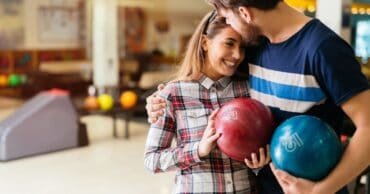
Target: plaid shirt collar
(207, 82)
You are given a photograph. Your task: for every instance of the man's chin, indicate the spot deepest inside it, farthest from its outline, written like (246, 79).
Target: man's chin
(252, 41)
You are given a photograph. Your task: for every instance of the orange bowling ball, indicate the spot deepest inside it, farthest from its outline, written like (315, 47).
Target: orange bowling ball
(128, 99)
(3, 80)
(91, 103)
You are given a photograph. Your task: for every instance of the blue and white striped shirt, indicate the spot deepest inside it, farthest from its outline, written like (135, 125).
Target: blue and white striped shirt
(313, 72)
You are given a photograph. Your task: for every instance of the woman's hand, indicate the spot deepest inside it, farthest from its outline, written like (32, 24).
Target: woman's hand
(208, 141)
(264, 158)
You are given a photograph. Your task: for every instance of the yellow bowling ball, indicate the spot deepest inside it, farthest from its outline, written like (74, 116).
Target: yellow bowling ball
(128, 99)
(106, 102)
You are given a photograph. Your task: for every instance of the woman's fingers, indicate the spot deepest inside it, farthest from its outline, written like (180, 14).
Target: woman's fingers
(248, 163)
(213, 114)
(214, 137)
(210, 130)
(255, 160)
(260, 160)
(268, 157)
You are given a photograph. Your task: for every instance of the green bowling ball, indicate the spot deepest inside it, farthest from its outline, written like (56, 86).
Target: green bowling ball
(14, 80)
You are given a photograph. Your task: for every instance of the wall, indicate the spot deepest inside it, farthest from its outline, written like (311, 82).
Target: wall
(31, 39)
(181, 24)
(183, 16)
(11, 24)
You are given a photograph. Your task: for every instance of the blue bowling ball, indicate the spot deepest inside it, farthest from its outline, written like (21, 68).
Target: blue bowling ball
(306, 147)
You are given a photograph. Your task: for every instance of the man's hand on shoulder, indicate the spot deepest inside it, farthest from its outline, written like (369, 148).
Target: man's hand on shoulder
(155, 105)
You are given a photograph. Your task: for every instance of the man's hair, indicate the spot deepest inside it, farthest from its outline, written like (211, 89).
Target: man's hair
(233, 4)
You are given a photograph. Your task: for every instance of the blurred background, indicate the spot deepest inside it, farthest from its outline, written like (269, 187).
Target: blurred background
(83, 68)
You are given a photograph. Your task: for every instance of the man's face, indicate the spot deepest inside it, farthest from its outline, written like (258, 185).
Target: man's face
(249, 32)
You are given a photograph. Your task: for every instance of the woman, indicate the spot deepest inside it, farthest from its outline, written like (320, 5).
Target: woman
(204, 83)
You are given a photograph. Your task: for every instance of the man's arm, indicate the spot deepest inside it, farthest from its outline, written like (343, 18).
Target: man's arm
(355, 158)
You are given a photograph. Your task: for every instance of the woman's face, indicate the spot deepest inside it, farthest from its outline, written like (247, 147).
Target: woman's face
(223, 53)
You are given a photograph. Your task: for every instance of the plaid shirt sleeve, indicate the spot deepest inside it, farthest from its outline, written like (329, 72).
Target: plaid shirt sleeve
(159, 155)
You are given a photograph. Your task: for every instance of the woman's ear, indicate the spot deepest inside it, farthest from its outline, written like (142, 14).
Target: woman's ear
(204, 43)
(246, 14)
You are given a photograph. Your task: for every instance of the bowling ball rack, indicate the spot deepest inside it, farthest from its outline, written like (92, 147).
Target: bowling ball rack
(115, 113)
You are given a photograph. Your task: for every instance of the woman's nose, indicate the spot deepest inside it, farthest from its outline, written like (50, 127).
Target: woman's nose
(237, 54)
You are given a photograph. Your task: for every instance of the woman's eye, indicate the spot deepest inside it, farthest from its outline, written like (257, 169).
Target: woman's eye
(229, 43)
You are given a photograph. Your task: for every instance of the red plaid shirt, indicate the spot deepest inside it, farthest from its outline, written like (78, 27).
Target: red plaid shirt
(189, 105)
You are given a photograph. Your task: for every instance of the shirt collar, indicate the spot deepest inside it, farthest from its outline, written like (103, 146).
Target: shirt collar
(208, 82)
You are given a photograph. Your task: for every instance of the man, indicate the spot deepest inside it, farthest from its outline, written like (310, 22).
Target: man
(302, 67)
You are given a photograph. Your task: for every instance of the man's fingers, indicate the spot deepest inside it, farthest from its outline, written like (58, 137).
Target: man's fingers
(283, 176)
(149, 98)
(157, 100)
(153, 116)
(157, 107)
(275, 171)
(152, 120)
(161, 86)
(158, 113)
(272, 166)
(154, 99)
(286, 177)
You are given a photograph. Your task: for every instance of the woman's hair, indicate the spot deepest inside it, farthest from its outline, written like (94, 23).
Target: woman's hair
(233, 4)
(194, 58)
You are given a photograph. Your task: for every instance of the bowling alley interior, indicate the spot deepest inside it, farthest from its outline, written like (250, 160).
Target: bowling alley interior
(75, 75)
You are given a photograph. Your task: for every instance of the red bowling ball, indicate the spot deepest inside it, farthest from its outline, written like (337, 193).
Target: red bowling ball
(246, 125)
